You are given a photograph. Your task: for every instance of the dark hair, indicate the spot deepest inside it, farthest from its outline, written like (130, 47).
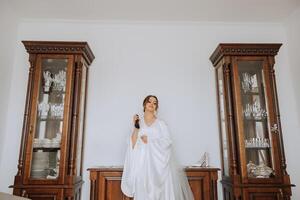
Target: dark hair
(146, 100)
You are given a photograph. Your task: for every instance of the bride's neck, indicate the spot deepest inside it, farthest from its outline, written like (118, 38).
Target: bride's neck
(149, 115)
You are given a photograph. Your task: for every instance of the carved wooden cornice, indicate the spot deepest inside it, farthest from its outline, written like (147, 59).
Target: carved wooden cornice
(247, 49)
(59, 47)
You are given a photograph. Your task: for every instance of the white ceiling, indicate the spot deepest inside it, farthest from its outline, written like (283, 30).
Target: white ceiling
(166, 10)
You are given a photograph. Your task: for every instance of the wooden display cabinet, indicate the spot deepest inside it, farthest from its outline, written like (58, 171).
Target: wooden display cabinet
(50, 159)
(106, 183)
(253, 158)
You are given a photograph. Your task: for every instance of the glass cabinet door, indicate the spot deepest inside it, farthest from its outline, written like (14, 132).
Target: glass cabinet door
(222, 120)
(256, 134)
(49, 108)
(81, 121)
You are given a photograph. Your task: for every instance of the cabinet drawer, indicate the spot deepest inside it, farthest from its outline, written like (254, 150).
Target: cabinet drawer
(263, 194)
(44, 194)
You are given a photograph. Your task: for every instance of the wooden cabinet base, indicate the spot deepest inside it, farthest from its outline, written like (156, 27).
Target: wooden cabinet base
(256, 192)
(49, 192)
(106, 181)
(39, 194)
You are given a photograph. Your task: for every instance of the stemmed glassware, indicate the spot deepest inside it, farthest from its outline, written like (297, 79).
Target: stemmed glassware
(249, 82)
(254, 111)
(57, 81)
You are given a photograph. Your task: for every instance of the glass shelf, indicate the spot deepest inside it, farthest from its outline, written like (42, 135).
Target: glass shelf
(255, 120)
(250, 93)
(54, 92)
(51, 119)
(46, 149)
(257, 148)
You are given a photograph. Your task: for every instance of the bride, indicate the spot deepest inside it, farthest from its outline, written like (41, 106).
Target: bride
(150, 172)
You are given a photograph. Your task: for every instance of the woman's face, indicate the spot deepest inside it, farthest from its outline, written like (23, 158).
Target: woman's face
(151, 105)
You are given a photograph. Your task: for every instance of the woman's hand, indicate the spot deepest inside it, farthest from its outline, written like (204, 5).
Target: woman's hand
(136, 121)
(144, 138)
(135, 117)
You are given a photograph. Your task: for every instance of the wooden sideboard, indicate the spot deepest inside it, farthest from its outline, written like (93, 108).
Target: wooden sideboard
(106, 183)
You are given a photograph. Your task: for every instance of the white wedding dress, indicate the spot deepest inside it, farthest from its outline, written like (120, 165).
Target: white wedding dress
(150, 172)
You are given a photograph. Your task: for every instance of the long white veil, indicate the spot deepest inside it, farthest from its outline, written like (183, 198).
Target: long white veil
(181, 185)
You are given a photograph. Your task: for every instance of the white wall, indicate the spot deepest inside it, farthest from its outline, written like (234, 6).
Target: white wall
(292, 26)
(8, 27)
(133, 59)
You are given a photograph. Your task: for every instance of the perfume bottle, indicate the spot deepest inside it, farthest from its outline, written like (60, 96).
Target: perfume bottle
(137, 123)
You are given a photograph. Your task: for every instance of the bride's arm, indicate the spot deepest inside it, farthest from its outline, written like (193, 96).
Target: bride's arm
(134, 137)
